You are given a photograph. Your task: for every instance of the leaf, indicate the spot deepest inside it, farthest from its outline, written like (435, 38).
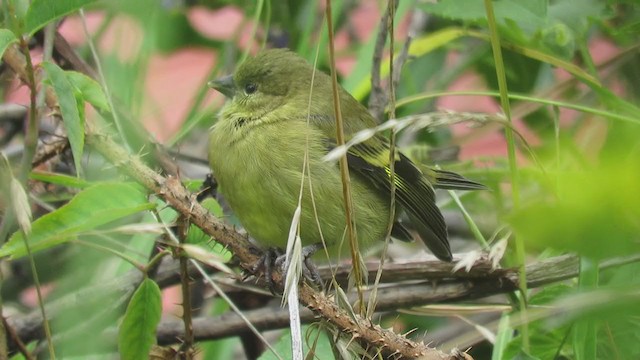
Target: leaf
(6, 38)
(60, 179)
(195, 234)
(69, 107)
(543, 346)
(90, 89)
(503, 336)
(20, 204)
(317, 342)
(42, 12)
(97, 205)
(529, 15)
(596, 214)
(549, 294)
(207, 257)
(576, 13)
(359, 88)
(137, 333)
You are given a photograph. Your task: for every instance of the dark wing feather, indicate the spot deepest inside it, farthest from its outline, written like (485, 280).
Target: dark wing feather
(399, 231)
(413, 192)
(449, 180)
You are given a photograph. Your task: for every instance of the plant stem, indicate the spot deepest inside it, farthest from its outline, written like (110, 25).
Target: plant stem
(513, 169)
(344, 169)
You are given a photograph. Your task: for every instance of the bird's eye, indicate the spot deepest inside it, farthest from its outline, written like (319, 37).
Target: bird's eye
(250, 88)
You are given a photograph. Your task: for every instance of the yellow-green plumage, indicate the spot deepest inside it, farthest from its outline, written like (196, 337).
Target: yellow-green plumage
(257, 153)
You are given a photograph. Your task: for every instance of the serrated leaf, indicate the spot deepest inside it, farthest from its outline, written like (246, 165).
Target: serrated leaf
(6, 38)
(97, 205)
(530, 15)
(195, 234)
(41, 12)
(137, 333)
(90, 89)
(576, 13)
(72, 116)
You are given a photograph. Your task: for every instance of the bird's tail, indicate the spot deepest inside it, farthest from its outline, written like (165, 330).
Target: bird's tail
(449, 180)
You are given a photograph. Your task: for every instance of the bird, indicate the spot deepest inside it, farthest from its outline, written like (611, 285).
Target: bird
(267, 152)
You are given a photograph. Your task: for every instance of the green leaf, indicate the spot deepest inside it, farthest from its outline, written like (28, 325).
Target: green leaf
(594, 214)
(316, 342)
(42, 12)
(60, 179)
(543, 346)
(576, 13)
(90, 89)
(196, 235)
(70, 109)
(549, 294)
(360, 87)
(529, 14)
(137, 333)
(97, 205)
(6, 39)
(503, 336)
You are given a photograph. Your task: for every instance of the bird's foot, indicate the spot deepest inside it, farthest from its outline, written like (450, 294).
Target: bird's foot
(266, 263)
(309, 269)
(274, 258)
(209, 188)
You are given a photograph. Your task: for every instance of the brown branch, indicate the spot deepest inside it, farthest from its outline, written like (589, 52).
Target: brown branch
(186, 349)
(66, 52)
(49, 151)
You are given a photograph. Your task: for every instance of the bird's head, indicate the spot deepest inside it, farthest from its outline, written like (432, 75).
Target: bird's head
(267, 81)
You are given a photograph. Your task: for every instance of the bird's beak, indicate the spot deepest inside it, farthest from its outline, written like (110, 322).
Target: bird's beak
(225, 85)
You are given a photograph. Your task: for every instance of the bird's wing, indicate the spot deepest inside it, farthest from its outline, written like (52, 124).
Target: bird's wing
(370, 160)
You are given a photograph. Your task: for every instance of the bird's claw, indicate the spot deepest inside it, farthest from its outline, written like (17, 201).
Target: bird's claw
(266, 263)
(309, 269)
(274, 258)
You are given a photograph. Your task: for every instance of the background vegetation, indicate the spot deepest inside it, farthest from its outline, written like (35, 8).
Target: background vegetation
(548, 91)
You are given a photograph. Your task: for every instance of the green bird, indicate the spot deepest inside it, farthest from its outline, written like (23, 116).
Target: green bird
(280, 112)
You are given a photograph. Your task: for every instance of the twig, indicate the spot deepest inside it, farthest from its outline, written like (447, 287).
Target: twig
(390, 15)
(378, 96)
(48, 151)
(64, 50)
(185, 281)
(22, 348)
(344, 167)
